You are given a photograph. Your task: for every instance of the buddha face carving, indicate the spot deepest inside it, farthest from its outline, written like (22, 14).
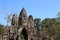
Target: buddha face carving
(24, 21)
(30, 18)
(23, 17)
(14, 20)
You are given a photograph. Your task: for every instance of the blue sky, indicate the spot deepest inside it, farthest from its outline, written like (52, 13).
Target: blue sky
(38, 8)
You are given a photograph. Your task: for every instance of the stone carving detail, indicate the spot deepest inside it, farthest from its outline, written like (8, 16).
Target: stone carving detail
(15, 20)
(15, 24)
(23, 17)
(23, 28)
(30, 23)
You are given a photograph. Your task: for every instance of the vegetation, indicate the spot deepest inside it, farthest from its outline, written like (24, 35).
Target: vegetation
(8, 18)
(38, 23)
(1, 29)
(51, 25)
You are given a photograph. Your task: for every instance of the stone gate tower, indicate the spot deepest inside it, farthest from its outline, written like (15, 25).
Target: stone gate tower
(26, 25)
(22, 27)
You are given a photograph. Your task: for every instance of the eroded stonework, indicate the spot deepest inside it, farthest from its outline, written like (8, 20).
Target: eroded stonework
(22, 28)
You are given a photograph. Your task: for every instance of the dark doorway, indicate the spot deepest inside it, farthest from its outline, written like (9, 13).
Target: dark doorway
(44, 38)
(25, 34)
(11, 38)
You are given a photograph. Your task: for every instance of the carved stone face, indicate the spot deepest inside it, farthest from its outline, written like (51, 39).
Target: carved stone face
(14, 19)
(30, 18)
(23, 14)
(23, 20)
(23, 17)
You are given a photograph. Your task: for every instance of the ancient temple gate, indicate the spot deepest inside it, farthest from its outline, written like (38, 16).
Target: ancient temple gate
(23, 26)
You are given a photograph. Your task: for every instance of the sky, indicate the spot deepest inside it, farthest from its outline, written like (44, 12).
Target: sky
(38, 8)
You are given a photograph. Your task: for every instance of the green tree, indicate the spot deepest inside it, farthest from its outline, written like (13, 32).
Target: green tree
(45, 22)
(38, 23)
(57, 25)
(57, 29)
(49, 24)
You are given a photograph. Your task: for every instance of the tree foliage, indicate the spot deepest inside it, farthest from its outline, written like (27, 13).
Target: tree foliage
(51, 25)
(38, 23)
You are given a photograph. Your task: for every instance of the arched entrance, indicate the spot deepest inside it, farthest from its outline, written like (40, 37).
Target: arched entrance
(24, 34)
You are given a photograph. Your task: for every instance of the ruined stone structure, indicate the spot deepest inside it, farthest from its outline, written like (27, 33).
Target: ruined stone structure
(22, 28)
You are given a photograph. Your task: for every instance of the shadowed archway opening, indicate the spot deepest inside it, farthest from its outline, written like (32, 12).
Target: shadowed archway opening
(25, 34)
